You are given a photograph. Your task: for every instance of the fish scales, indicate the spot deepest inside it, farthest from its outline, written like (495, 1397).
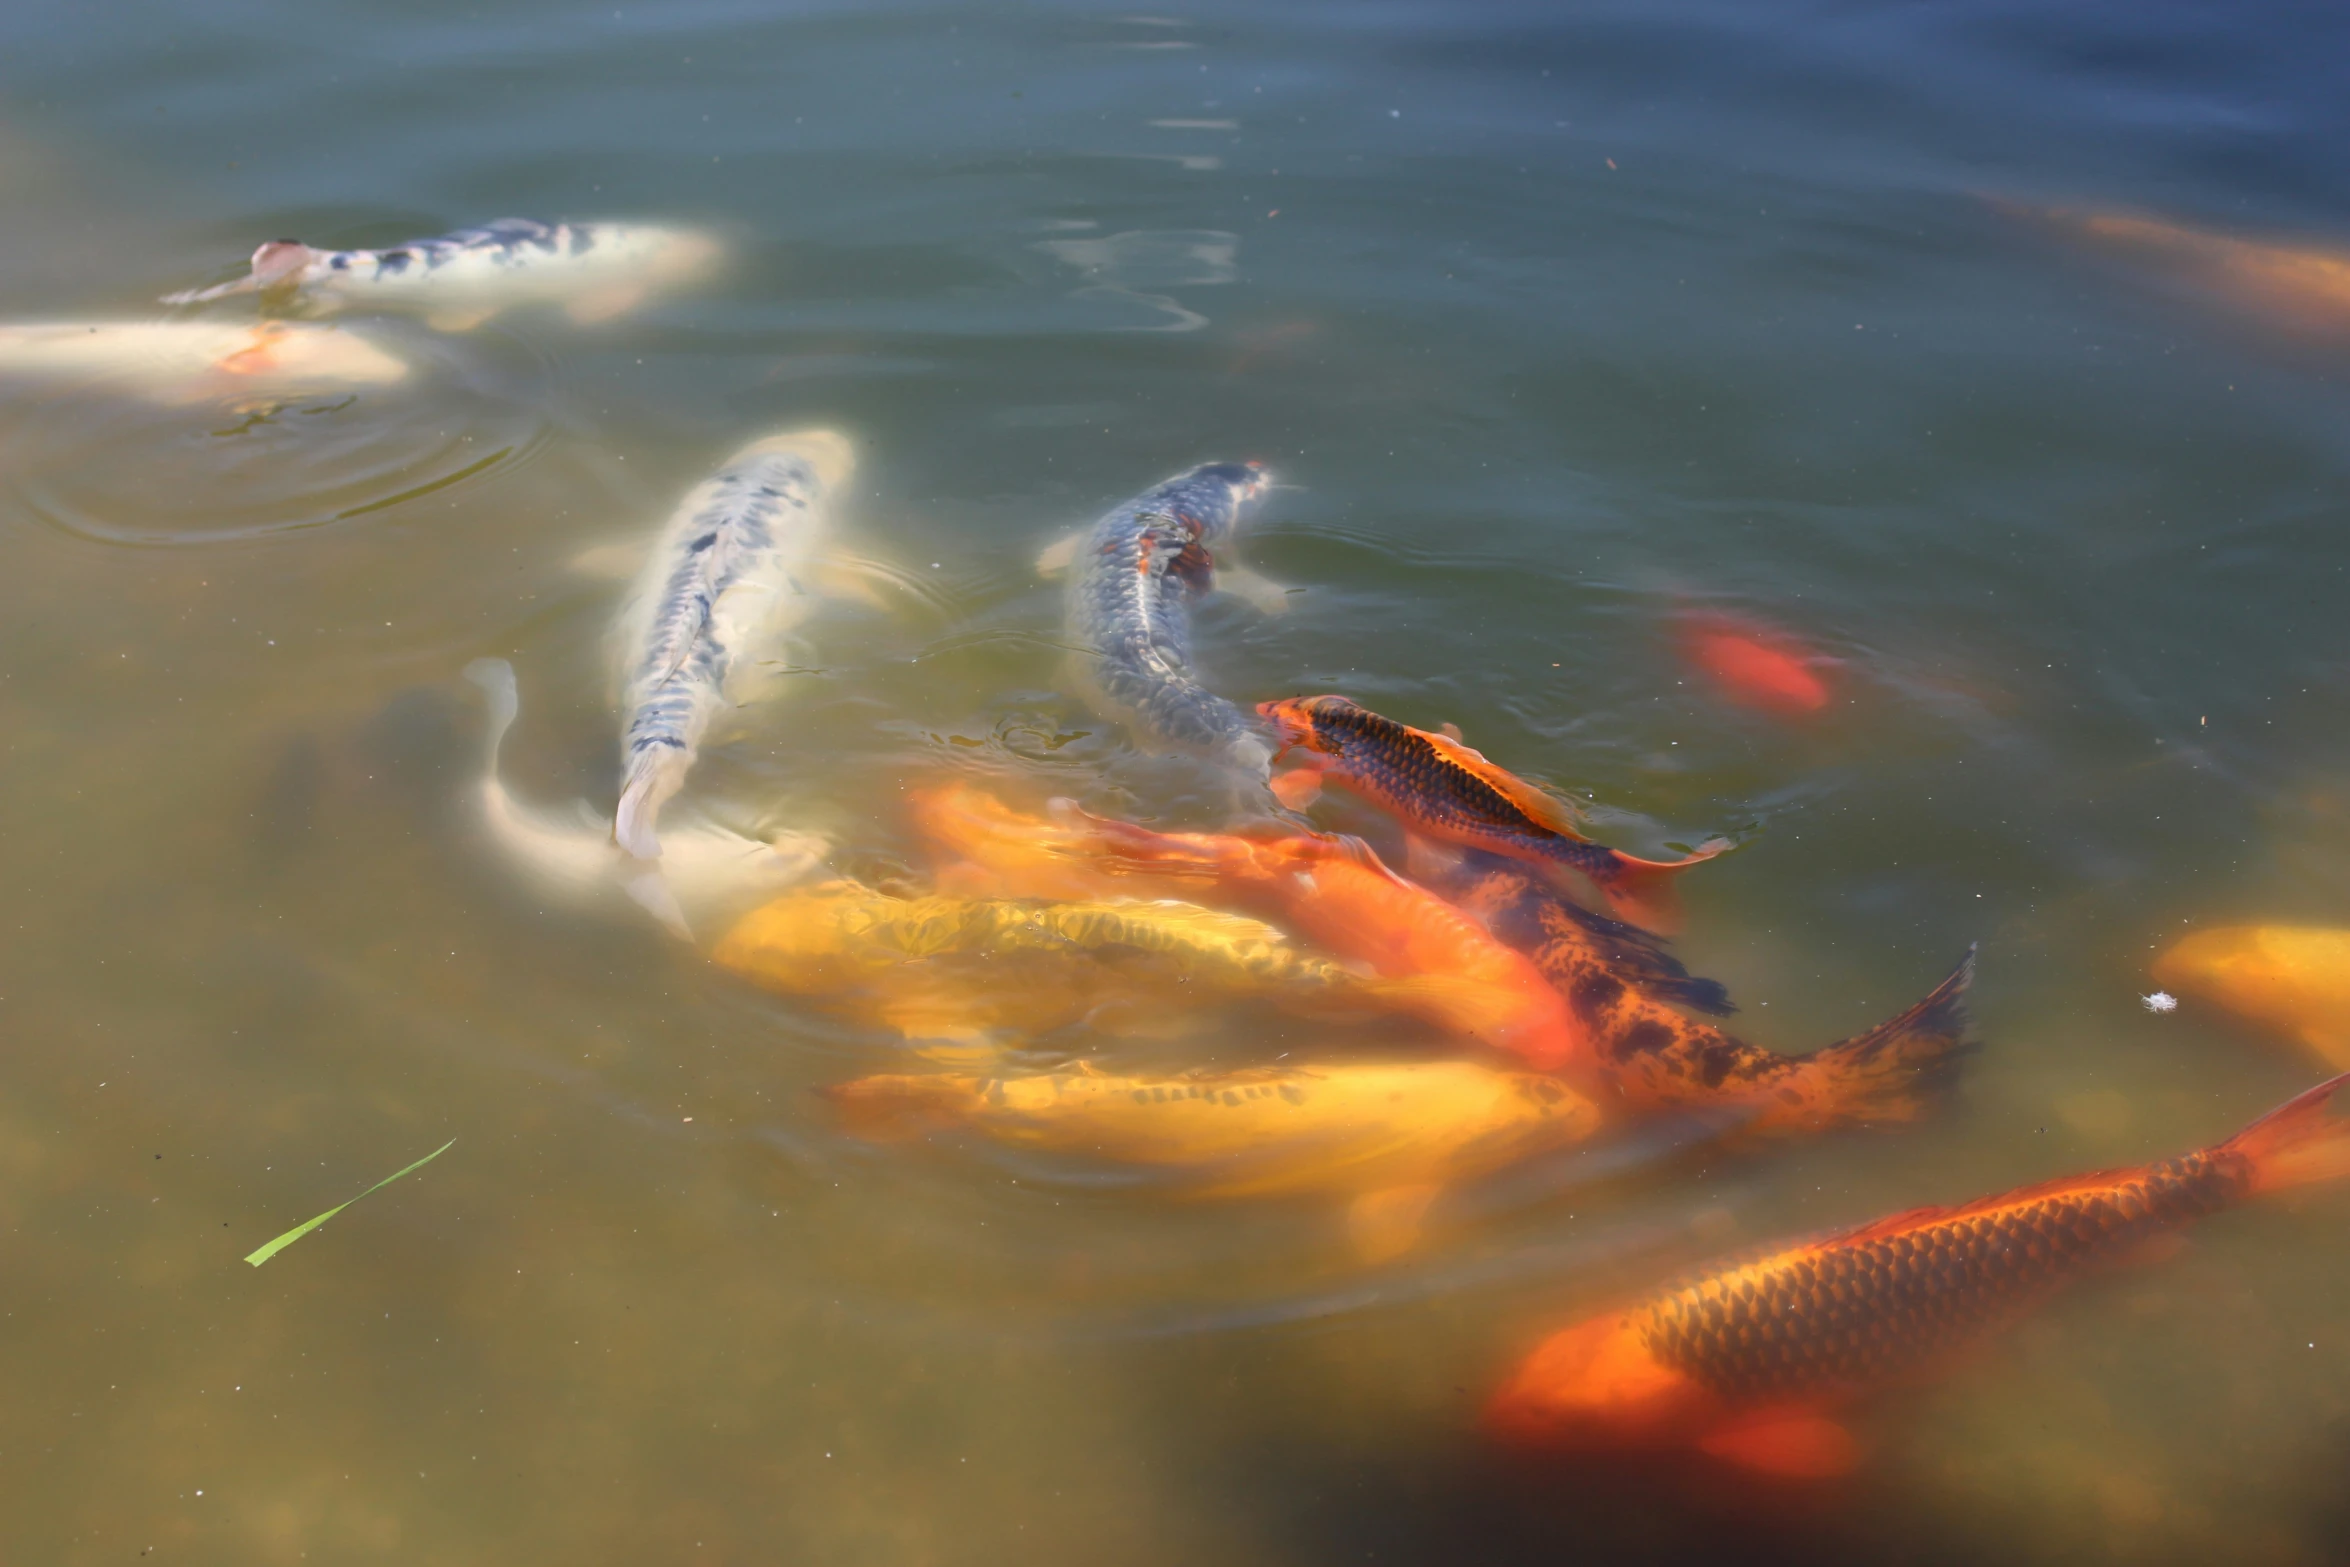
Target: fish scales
(1868, 1311)
(1138, 571)
(722, 576)
(1400, 763)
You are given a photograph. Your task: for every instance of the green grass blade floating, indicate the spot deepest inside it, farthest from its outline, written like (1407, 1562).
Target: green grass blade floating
(257, 1258)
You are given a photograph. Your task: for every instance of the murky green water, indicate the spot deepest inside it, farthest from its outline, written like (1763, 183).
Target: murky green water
(1554, 323)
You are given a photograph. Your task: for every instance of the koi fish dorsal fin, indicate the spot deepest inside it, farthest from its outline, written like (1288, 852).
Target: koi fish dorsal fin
(1796, 1444)
(1055, 559)
(1540, 804)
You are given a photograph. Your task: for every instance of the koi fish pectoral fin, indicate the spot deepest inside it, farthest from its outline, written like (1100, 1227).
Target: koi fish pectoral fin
(651, 892)
(1791, 1443)
(1055, 559)
(1262, 594)
(614, 562)
(453, 320)
(608, 304)
(1643, 892)
(1385, 1224)
(1297, 789)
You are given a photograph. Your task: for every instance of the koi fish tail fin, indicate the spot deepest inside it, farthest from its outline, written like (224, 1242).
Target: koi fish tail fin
(893, 1106)
(2298, 1143)
(654, 774)
(1643, 891)
(1640, 959)
(1888, 1073)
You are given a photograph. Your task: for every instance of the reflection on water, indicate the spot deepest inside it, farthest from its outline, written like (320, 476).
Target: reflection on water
(1658, 400)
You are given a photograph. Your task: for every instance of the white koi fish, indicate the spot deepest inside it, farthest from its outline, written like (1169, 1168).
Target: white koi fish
(188, 361)
(596, 271)
(706, 871)
(731, 571)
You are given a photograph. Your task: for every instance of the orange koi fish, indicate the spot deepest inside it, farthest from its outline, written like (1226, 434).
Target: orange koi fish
(1448, 792)
(1750, 1363)
(2291, 977)
(1617, 981)
(1755, 666)
(2299, 285)
(1333, 892)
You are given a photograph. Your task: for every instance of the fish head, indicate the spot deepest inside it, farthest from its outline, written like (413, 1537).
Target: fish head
(1597, 1386)
(1308, 723)
(1211, 496)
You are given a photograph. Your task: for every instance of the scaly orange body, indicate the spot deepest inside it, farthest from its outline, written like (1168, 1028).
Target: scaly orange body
(1749, 1363)
(1617, 982)
(1330, 891)
(1445, 791)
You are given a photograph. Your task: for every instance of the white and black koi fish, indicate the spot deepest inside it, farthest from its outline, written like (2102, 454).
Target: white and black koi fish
(730, 570)
(707, 872)
(595, 270)
(187, 361)
(1132, 579)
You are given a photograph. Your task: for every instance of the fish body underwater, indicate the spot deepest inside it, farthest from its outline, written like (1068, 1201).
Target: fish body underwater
(2295, 284)
(1756, 666)
(2295, 978)
(1133, 578)
(729, 573)
(1750, 1363)
(597, 270)
(946, 967)
(1384, 1136)
(707, 872)
(1446, 791)
(1622, 991)
(191, 361)
(1333, 892)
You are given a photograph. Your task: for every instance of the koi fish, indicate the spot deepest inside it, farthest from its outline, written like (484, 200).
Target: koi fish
(2293, 978)
(189, 361)
(1616, 985)
(2300, 285)
(1334, 892)
(1133, 577)
(706, 869)
(1386, 1136)
(1750, 1363)
(944, 967)
(598, 270)
(1756, 666)
(1443, 790)
(725, 577)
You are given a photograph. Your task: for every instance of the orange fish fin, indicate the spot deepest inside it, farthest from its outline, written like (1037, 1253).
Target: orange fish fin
(2297, 1143)
(1385, 1224)
(1539, 803)
(1450, 731)
(1297, 789)
(1793, 1443)
(1642, 891)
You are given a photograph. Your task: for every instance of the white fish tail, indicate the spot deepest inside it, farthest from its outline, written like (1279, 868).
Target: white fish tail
(654, 774)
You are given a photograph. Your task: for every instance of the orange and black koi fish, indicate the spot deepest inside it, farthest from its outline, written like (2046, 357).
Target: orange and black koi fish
(1334, 892)
(1441, 788)
(1750, 1363)
(1616, 982)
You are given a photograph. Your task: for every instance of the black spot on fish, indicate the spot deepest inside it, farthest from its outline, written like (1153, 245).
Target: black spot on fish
(701, 544)
(394, 261)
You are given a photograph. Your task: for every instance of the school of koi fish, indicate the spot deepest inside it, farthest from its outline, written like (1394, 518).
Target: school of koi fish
(1534, 960)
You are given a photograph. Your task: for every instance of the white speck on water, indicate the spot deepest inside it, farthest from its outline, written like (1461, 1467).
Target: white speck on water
(2160, 1001)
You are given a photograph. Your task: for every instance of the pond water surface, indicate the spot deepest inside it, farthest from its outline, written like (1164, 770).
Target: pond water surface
(1554, 324)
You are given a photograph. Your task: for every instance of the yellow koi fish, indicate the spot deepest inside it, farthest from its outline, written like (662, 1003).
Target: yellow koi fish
(1387, 1136)
(2295, 978)
(963, 968)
